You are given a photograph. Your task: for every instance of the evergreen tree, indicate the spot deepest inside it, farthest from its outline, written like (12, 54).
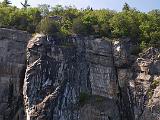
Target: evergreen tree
(126, 7)
(6, 2)
(25, 4)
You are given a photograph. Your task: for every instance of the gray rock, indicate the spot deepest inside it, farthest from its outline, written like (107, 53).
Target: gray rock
(58, 76)
(13, 44)
(79, 78)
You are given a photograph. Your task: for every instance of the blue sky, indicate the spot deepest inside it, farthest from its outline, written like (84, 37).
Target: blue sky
(142, 5)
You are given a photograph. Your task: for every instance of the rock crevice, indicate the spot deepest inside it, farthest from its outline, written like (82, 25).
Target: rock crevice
(79, 78)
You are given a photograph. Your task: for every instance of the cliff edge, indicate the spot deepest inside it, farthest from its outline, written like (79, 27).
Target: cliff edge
(77, 78)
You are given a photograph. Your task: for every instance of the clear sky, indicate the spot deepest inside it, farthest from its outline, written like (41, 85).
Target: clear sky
(142, 5)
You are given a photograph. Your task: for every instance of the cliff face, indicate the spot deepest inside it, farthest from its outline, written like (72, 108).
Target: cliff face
(70, 80)
(79, 78)
(12, 71)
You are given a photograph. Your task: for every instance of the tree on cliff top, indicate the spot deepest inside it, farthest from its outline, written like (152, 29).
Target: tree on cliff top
(79, 27)
(142, 28)
(44, 8)
(126, 7)
(6, 2)
(48, 27)
(25, 4)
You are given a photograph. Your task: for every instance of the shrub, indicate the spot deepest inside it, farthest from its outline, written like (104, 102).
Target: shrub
(48, 27)
(78, 27)
(153, 86)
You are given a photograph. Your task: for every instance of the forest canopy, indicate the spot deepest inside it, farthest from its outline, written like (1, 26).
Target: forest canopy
(142, 28)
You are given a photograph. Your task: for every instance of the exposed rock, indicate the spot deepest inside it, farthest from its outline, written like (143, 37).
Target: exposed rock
(62, 71)
(79, 78)
(151, 112)
(12, 70)
(145, 84)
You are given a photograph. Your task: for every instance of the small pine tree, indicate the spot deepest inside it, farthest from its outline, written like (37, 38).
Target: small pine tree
(126, 7)
(25, 4)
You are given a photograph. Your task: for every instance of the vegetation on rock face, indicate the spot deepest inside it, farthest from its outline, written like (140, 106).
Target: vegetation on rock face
(142, 28)
(153, 86)
(83, 98)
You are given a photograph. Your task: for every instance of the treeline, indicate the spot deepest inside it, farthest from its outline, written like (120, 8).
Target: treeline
(142, 28)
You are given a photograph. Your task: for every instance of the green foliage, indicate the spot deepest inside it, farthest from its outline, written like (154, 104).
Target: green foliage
(142, 28)
(150, 29)
(23, 19)
(79, 27)
(27, 19)
(103, 17)
(125, 24)
(48, 27)
(44, 9)
(58, 9)
(6, 16)
(6, 2)
(153, 86)
(143, 45)
(90, 21)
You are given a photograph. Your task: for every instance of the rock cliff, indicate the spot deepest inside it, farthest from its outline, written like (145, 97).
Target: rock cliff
(77, 78)
(13, 45)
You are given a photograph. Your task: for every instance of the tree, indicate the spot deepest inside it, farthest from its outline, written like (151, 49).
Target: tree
(6, 2)
(126, 7)
(125, 24)
(103, 17)
(150, 29)
(48, 27)
(142, 28)
(25, 4)
(58, 9)
(44, 8)
(7, 16)
(90, 21)
(79, 27)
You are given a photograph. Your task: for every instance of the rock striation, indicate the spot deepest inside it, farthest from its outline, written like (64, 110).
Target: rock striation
(70, 79)
(13, 45)
(76, 78)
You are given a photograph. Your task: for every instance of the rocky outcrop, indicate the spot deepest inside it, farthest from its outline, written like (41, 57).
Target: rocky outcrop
(139, 81)
(148, 81)
(77, 78)
(88, 79)
(12, 71)
(70, 80)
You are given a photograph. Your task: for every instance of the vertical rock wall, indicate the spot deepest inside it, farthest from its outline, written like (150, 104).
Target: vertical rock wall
(139, 81)
(70, 80)
(12, 69)
(79, 78)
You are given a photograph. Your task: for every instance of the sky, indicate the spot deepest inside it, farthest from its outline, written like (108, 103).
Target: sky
(142, 5)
